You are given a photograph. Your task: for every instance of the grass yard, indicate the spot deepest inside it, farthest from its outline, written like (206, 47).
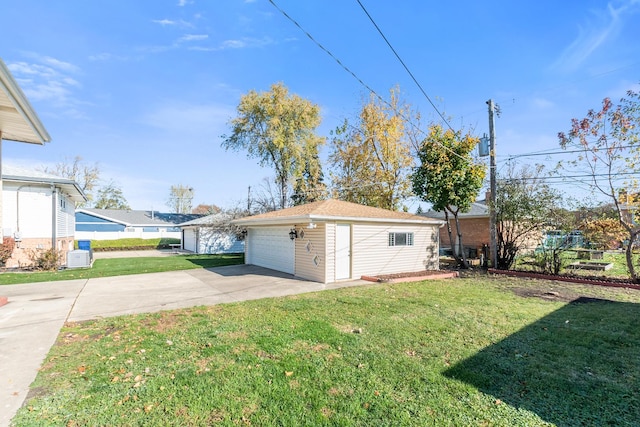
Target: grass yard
(125, 266)
(475, 351)
(617, 258)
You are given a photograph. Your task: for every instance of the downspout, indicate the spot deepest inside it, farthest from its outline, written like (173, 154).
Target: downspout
(1, 190)
(18, 234)
(54, 205)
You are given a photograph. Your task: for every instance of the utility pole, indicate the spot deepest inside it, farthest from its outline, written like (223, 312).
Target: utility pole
(492, 183)
(249, 201)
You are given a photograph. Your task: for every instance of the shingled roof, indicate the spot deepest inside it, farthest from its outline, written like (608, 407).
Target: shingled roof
(130, 217)
(333, 209)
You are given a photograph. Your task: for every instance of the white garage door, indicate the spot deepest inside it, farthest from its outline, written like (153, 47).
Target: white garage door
(189, 239)
(271, 247)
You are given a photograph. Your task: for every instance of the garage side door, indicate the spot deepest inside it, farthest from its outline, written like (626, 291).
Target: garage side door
(271, 247)
(189, 239)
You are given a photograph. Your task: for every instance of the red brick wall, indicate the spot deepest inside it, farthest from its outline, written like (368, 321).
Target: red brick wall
(475, 232)
(25, 249)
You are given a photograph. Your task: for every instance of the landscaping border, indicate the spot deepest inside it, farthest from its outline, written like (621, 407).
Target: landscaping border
(418, 278)
(572, 279)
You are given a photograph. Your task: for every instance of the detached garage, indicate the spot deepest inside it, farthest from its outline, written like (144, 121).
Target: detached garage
(332, 240)
(210, 234)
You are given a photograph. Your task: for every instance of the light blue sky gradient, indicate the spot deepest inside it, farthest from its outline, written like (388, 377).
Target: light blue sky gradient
(146, 88)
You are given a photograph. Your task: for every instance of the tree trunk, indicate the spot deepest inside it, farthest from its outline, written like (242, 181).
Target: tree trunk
(629, 256)
(463, 263)
(451, 242)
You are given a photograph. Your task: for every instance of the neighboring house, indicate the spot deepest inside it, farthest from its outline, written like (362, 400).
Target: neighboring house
(210, 235)
(474, 227)
(332, 240)
(38, 212)
(113, 224)
(18, 122)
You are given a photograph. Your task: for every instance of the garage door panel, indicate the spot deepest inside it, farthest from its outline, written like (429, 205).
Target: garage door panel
(189, 242)
(271, 247)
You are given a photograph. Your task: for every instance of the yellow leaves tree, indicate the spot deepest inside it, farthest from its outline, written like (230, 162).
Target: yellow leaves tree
(279, 129)
(371, 157)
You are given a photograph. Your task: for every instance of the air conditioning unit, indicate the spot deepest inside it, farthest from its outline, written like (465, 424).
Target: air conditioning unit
(78, 258)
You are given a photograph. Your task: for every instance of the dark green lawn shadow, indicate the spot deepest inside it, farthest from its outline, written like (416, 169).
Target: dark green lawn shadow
(578, 366)
(213, 261)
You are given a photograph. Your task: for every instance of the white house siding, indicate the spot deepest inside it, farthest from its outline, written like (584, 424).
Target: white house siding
(213, 242)
(372, 254)
(34, 205)
(66, 217)
(311, 253)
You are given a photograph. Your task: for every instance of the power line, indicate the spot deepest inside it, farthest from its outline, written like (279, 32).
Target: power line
(380, 98)
(404, 65)
(551, 153)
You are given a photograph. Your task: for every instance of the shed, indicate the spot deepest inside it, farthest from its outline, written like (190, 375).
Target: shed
(211, 234)
(333, 240)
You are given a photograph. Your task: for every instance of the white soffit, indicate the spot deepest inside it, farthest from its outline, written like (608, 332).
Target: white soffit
(18, 120)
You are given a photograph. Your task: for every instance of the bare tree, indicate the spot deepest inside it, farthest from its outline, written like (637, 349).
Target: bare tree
(180, 199)
(86, 176)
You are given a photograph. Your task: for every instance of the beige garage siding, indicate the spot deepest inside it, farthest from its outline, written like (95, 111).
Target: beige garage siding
(310, 253)
(330, 252)
(372, 254)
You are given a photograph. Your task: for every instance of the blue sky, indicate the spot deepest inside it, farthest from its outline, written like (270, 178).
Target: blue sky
(145, 89)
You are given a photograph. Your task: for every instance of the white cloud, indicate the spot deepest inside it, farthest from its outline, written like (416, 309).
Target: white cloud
(164, 22)
(193, 37)
(49, 81)
(242, 43)
(604, 27)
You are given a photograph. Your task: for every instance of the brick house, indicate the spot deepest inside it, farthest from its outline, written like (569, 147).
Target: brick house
(474, 226)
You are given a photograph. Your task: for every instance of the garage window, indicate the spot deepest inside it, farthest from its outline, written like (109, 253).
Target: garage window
(400, 239)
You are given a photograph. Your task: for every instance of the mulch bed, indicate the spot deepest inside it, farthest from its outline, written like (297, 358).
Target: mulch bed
(412, 276)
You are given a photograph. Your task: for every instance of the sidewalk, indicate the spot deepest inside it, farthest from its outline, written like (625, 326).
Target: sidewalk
(31, 321)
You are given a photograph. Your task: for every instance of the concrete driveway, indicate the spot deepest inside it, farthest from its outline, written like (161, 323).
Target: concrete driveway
(31, 321)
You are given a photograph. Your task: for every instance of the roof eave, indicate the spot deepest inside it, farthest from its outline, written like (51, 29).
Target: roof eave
(65, 184)
(289, 220)
(20, 102)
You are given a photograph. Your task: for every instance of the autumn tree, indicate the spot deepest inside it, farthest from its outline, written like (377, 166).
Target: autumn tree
(279, 129)
(85, 175)
(203, 209)
(608, 139)
(371, 157)
(525, 207)
(309, 186)
(449, 178)
(110, 196)
(268, 196)
(604, 233)
(180, 199)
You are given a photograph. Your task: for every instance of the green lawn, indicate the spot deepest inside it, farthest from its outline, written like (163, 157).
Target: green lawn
(619, 268)
(459, 352)
(125, 266)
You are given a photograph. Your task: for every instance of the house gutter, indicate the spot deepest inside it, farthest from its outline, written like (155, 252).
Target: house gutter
(322, 218)
(54, 223)
(17, 235)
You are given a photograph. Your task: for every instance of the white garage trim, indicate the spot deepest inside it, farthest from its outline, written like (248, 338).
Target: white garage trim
(271, 247)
